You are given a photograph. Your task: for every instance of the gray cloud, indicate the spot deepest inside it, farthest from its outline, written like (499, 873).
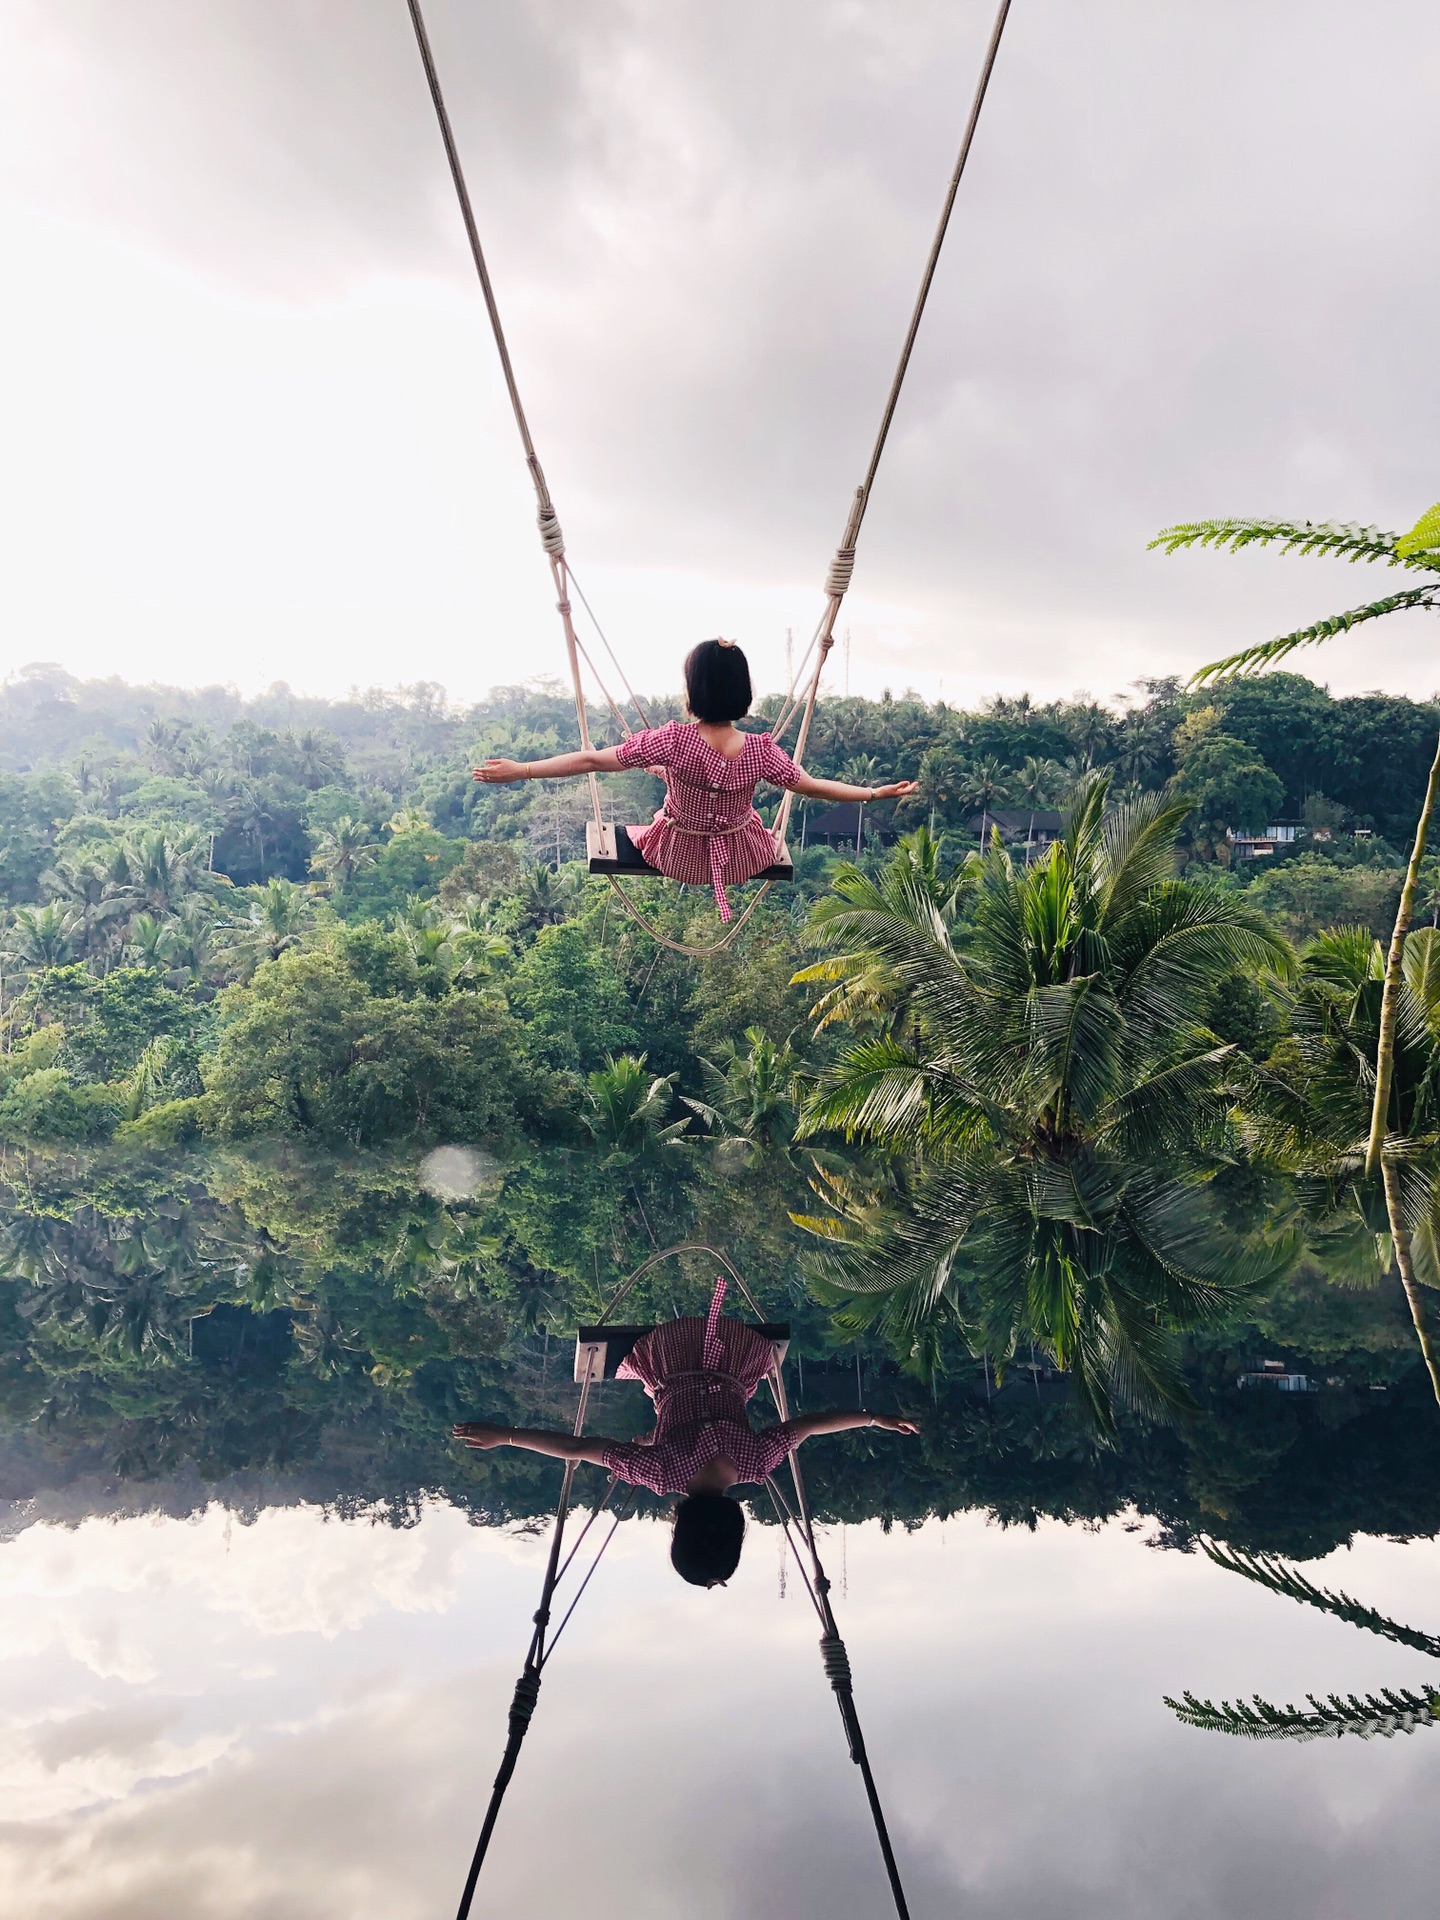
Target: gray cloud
(1189, 273)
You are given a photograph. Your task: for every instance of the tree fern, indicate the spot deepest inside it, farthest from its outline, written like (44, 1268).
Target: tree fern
(1364, 1715)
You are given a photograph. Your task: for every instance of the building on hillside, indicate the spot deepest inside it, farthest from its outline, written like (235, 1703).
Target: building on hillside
(844, 827)
(1033, 827)
(1255, 846)
(1277, 1375)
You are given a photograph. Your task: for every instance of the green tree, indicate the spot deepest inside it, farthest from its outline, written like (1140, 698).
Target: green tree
(629, 1109)
(1416, 552)
(1052, 1109)
(1229, 786)
(343, 849)
(575, 1009)
(305, 1049)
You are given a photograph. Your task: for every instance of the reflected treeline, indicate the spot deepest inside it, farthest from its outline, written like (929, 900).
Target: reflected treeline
(270, 1327)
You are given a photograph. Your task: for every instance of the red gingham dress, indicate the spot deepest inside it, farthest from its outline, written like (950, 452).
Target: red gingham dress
(708, 828)
(700, 1374)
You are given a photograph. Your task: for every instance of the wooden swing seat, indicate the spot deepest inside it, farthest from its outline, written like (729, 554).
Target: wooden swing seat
(607, 853)
(610, 1345)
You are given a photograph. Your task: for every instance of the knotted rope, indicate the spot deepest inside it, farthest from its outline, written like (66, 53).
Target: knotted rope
(842, 566)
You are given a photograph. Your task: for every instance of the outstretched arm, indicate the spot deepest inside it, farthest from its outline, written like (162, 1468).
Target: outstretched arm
(808, 1424)
(560, 766)
(482, 1435)
(842, 790)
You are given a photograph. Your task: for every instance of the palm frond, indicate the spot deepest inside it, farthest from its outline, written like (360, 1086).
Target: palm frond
(1175, 943)
(1363, 1715)
(1266, 654)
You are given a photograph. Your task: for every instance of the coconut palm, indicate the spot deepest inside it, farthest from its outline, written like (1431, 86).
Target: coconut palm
(86, 886)
(1039, 783)
(43, 936)
(549, 894)
(278, 914)
(1051, 1106)
(343, 849)
(750, 1096)
(861, 991)
(1417, 553)
(629, 1106)
(981, 786)
(1314, 1116)
(1389, 1712)
(162, 869)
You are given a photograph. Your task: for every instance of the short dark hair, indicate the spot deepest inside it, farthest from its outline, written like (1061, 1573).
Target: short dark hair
(709, 1533)
(717, 681)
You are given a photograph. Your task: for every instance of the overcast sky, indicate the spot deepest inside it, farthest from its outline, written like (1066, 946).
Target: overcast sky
(251, 426)
(299, 1720)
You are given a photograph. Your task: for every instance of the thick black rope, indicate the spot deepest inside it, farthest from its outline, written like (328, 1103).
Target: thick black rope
(833, 1654)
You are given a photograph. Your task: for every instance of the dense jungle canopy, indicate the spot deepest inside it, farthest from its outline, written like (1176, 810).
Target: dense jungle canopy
(261, 959)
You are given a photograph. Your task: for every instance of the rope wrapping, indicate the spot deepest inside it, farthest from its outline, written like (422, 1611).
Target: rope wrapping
(551, 538)
(527, 1693)
(836, 1662)
(842, 568)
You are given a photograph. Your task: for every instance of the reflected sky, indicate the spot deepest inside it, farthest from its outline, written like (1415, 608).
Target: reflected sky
(301, 1717)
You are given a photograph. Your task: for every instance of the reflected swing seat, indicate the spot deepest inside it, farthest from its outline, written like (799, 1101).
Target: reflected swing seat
(609, 849)
(600, 1350)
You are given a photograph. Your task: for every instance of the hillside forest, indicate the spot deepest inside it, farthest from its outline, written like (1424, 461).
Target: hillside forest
(273, 970)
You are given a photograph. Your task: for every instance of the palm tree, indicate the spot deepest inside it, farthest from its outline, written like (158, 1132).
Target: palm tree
(750, 1096)
(163, 869)
(1051, 1105)
(1039, 784)
(319, 757)
(86, 885)
(278, 913)
(1316, 1121)
(1416, 552)
(43, 936)
(1386, 1713)
(549, 894)
(861, 991)
(981, 786)
(343, 849)
(629, 1107)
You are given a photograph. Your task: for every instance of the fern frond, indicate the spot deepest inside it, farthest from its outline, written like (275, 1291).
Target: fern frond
(1254, 659)
(1266, 1571)
(1423, 539)
(1364, 1715)
(1345, 540)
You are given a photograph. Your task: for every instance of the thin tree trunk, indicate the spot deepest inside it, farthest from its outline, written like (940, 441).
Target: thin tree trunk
(1394, 973)
(1400, 1239)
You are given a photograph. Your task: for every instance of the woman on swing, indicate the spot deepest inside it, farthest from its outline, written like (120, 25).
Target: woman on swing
(700, 1374)
(708, 829)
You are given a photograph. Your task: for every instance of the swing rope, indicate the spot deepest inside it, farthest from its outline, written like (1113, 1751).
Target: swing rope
(835, 1659)
(842, 566)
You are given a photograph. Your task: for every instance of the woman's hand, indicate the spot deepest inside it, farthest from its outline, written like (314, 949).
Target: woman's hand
(895, 789)
(497, 772)
(892, 1423)
(481, 1433)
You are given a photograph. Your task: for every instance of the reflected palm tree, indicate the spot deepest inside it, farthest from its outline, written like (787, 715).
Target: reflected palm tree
(1327, 1717)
